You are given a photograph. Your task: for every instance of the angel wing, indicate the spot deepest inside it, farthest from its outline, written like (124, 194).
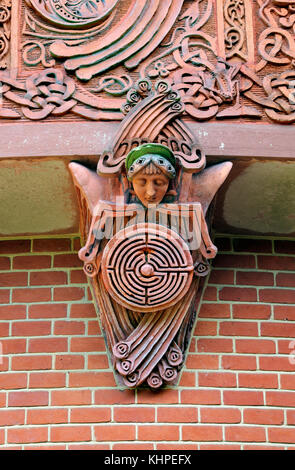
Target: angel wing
(205, 185)
(92, 188)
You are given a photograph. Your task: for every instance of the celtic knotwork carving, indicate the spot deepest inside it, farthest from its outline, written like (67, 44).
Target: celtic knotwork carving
(234, 34)
(146, 267)
(52, 92)
(5, 16)
(280, 89)
(276, 43)
(49, 92)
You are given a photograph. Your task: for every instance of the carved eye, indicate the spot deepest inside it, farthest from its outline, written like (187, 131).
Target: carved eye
(161, 161)
(141, 160)
(131, 168)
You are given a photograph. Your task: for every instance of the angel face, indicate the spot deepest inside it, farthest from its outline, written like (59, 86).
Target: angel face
(150, 168)
(150, 185)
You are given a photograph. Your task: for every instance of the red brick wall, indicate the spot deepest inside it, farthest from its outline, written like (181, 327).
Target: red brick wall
(236, 391)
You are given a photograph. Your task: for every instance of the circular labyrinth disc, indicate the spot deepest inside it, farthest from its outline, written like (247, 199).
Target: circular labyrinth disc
(147, 267)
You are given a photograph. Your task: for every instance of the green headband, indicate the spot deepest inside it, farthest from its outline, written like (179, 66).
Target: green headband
(155, 149)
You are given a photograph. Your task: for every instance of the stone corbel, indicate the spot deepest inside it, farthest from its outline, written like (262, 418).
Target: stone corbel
(144, 254)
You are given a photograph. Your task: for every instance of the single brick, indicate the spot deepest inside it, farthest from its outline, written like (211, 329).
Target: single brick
(158, 433)
(69, 362)
(31, 295)
(245, 434)
(70, 397)
(32, 262)
(275, 363)
(277, 263)
(284, 312)
(201, 397)
(164, 396)
(214, 345)
(83, 311)
(217, 379)
(13, 312)
(280, 398)
(27, 434)
(69, 260)
(68, 293)
(4, 296)
(48, 278)
(90, 415)
(202, 361)
(114, 397)
(209, 310)
(240, 398)
(220, 415)
(201, 432)
(263, 416)
(31, 362)
(12, 381)
(252, 245)
(13, 279)
(14, 246)
(31, 328)
(256, 380)
(238, 328)
(69, 327)
(4, 263)
(70, 433)
(251, 311)
(288, 381)
(284, 435)
(134, 415)
(54, 345)
(177, 414)
(51, 245)
(12, 417)
(254, 278)
(283, 296)
(205, 328)
(278, 329)
(28, 398)
(47, 416)
(87, 344)
(255, 346)
(284, 246)
(112, 432)
(47, 380)
(221, 276)
(238, 294)
(91, 379)
(234, 261)
(48, 311)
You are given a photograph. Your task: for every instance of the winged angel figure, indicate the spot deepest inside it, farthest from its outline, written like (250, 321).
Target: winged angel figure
(146, 240)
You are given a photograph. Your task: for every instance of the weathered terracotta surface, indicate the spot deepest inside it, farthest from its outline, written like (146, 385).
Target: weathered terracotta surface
(145, 255)
(229, 59)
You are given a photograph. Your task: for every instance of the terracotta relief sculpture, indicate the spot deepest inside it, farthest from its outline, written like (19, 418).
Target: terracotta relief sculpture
(143, 221)
(229, 59)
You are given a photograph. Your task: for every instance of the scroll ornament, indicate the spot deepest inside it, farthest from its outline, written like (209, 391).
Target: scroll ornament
(146, 239)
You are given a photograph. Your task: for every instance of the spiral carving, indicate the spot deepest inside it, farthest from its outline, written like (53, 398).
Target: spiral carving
(147, 267)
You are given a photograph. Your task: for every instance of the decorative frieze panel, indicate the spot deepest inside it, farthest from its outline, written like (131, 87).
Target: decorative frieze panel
(228, 59)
